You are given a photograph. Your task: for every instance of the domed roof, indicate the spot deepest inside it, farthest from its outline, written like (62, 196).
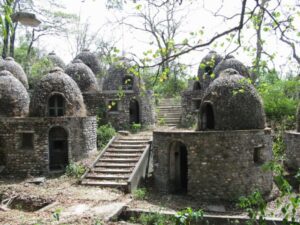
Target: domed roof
(298, 119)
(56, 61)
(83, 76)
(57, 83)
(119, 76)
(231, 103)
(15, 68)
(206, 67)
(231, 62)
(89, 59)
(14, 99)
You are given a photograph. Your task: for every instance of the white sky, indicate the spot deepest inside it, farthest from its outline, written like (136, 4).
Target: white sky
(131, 41)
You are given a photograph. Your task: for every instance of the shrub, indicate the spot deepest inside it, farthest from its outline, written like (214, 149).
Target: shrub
(135, 127)
(104, 134)
(75, 170)
(139, 193)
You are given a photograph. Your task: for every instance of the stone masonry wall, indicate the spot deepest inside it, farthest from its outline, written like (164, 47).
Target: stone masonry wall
(81, 140)
(220, 164)
(292, 141)
(189, 102)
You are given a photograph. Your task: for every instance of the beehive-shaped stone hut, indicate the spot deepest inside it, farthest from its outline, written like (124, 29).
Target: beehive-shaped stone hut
(206, 68)
(90, 59)
(292, 142)
(15, 69)
(126, 100)
(55, 60)
(14, 99)
(223, 160)
(57, 94)
(231, 103)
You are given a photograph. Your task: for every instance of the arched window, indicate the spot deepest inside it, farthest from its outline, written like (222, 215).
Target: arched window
(127, 83)
(207, 119)
(197, 86)
(56, 105)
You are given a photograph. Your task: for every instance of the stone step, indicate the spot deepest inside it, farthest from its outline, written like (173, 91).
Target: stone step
(119, 150)
(131, 142)
(127, 146)
(104, 176)
(114, 165)
(168, 119)
(112, 170)
(121, 155)
(104, 183)
(119, 160)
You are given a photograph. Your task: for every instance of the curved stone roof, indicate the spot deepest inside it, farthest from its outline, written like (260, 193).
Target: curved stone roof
(89, 59)
(231, 63)
(56, 61)
(83, 76)
(57, 82)
(120, 78)
(206, 68)
(234, 104)
(15, 68)
(14, 99)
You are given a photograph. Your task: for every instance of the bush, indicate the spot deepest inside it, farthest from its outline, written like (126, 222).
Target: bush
(139, 193)
(104, 134)
(135, 127)
(75, 170)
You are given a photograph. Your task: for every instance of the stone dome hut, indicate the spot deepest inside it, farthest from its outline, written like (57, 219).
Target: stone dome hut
(57, 94)
(15, 69)
(90, 59)
(231, 103)
(56, 61)
(206, 68)
(83, 76)
(126, 101)
(231, 63)
(14, 99)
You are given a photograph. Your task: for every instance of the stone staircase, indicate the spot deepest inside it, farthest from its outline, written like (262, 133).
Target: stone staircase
(168, 112)
(121, 164)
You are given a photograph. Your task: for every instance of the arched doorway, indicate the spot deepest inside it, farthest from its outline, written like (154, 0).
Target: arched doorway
(58, 148)
(196, 86)
(207, 118)
(134, 111)
(178, 168)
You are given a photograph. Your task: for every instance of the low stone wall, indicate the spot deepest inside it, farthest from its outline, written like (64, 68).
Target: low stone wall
(82, 139)
(222, 165)
(292, 142)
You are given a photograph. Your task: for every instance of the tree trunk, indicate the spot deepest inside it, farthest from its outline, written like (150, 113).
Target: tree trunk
(5, 41)
(12, 42)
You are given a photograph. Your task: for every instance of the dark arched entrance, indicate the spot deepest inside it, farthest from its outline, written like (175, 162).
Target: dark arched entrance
(207, 119)
(58, 148)
(196, 86)
(134, 111)
(178, 168)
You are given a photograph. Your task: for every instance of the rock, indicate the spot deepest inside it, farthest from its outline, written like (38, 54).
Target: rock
(37, 180)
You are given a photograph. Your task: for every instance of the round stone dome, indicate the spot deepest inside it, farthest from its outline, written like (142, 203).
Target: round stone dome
(90, 59)
(16, 70)
(206, 68)
(231, 63)
(59, 92)
(83, 76)
(120, 78)
(14, 99)
(231, 103)
(56, 61)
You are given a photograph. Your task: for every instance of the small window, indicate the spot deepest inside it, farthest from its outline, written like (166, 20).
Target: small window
(196, 86)
(257, 155)
(56, 105)
(27, 140)
(113, 106)
(2, 142)
(128, 83)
